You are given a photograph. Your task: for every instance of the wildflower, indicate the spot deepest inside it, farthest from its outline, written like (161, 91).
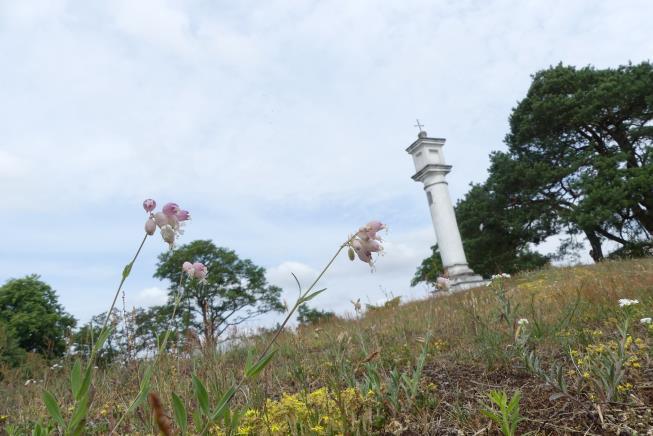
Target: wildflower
(199, 271)
(160, 219)
(149, 205)
(645, 321)
(187, 267)
(366, 241)
(183, 215)
(624, 302)
(624, 387)
(500, 276)
(522, 322)
(150, 226)
(168, 235)
(171, 209)
(586, 375)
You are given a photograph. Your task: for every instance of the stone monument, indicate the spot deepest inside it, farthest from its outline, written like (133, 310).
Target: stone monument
(431, 169)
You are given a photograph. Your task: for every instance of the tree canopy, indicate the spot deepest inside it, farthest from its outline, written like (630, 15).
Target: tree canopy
(32, 315)
(235, 289)
(581, 143)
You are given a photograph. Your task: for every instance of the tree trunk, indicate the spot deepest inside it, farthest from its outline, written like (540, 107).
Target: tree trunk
(595, 242)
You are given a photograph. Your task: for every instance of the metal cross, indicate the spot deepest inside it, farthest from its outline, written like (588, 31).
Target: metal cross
(418, 125)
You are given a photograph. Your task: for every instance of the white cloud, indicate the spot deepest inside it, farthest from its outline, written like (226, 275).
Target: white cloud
(280, 125)
(149, 297)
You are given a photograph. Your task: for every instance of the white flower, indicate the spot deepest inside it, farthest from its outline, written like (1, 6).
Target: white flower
(168, 234)
(623, 302)
(500, 276)
(522, 322)
(645, 321)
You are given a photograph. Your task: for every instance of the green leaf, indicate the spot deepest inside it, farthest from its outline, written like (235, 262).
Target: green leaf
(76, 378)
(260, 365)
(52, 406)
(86, 382)
(104, 335)
(139, 399)
(201, 394)
(76, 423)
(310, 296)
(147, 376)
(222, 404)
(127, 270)
(197, 421)
(181, 415)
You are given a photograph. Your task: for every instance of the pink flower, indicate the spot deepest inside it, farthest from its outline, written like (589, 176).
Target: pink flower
(369, 230)
(187, 267)
(149, 205)
(171, 209)
(183, 215)
(161, 219)
(150, 226)
(200, 271)
(366, 241)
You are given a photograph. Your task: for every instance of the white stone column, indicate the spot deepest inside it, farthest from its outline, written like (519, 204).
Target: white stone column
(431, 170)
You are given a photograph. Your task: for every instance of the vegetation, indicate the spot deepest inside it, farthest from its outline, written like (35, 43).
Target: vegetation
(234, 290)
(423, 367)
(31, 319)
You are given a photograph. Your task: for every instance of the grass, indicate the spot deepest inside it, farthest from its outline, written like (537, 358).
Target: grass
(424, 367)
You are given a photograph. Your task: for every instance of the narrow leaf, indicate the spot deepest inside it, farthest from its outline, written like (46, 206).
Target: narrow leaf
(312, 295)
(180, 413)
(79, 416)
(201, 394)
(52, 406)
(260, 365)
(76, 378)
(222, 404)
(104, 334)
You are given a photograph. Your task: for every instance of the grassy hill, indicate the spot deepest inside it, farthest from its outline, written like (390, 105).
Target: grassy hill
(581, 364)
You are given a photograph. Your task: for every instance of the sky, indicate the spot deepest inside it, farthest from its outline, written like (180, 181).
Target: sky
(281, 125)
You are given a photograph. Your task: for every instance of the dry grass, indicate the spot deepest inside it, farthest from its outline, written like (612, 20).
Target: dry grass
(471, 351)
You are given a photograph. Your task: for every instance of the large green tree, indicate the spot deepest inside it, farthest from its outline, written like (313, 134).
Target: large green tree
(30, 310)
(235, 291)
(581, 141)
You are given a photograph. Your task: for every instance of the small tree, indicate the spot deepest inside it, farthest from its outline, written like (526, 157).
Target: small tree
(310, 315)
(235, 290)
(30, 309)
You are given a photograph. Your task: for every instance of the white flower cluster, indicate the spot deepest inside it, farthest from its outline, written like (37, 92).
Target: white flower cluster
(645, 321)
(522, 322)
(56, 366)
(500, 276)
(624, 302)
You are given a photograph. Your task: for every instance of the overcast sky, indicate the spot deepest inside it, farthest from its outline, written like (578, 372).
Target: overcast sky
(281, 126)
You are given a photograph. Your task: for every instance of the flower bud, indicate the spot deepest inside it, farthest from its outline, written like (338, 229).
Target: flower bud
(171, 209)
(149, 205)
(351, 254)
(150, 226)
(161, 219)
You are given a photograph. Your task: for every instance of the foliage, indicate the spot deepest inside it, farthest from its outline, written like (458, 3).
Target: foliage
(30, 309)
(10, 351)
(309, 315)
(507, 417)
(581, 143)
(430, 269)
(235, 290)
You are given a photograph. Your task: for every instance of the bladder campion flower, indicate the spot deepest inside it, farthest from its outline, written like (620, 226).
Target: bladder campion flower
(171, 209)
(168, 235)
(366, 241)
(645, 321)
(624, 302)
(149, 205)
(199, 271)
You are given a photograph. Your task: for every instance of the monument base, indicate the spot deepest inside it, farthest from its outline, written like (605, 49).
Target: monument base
(466, 281)
(461, 278)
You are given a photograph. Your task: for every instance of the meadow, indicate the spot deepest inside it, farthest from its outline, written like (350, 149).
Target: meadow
(571, 346)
